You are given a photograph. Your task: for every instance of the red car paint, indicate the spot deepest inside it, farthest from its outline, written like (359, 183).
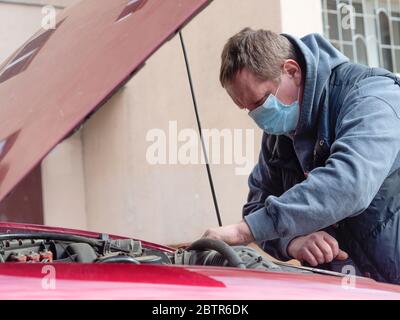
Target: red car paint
(125, 281)
(61, 75)
(46, 89)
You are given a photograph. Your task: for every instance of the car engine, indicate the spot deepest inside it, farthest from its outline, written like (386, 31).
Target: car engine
(66, 248)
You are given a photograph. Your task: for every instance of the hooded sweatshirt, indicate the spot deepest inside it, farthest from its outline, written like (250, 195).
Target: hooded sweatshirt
(346, 145)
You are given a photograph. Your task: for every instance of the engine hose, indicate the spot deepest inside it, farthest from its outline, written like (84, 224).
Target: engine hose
(118, 259)
(221, 247)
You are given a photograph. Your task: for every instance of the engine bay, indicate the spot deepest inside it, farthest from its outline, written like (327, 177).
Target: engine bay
(66, 248)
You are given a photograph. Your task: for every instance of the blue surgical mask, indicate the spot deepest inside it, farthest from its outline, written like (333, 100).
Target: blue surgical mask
(275, 117)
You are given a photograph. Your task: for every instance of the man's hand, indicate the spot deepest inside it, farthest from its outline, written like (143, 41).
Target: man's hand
(316, 248)
(234, 234)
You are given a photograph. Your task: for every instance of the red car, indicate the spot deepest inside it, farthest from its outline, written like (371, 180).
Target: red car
(59, 263)
(39, 262)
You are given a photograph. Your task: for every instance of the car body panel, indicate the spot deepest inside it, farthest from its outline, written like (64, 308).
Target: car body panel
(60, 76)
(126, 281)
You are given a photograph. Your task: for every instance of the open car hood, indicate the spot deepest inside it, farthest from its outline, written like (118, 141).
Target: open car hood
(60, 76)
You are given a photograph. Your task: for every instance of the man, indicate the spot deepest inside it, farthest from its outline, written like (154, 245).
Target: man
(326, 187)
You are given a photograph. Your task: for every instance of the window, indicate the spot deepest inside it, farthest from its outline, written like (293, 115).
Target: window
(367, 31)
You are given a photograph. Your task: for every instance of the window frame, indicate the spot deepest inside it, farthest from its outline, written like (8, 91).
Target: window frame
(372, 37)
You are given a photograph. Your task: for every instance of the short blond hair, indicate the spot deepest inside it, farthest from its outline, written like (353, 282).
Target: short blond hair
(262, 52)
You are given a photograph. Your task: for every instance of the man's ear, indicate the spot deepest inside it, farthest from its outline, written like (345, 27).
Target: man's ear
(293, 69)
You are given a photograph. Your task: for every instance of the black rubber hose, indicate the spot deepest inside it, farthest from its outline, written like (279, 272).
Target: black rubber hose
(118, 259)
(221, 247)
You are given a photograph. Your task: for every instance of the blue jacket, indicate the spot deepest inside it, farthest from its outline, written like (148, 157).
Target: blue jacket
(341, 169)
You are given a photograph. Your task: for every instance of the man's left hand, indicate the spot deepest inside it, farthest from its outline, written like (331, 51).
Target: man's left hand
(234, 234)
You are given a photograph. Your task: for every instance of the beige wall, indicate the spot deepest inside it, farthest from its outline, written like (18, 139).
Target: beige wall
(63, 181)
(169, 203)
(17, 24)
(205, 38)
(99, 179)
(301, 17)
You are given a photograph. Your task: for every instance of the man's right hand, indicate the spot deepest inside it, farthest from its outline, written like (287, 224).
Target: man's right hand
(316, 248)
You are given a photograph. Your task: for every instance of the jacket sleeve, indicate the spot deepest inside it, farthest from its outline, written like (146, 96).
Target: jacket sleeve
(265, 181)
(365, 149)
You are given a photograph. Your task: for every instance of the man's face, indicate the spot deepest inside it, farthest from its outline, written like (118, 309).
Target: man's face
(249, 92)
